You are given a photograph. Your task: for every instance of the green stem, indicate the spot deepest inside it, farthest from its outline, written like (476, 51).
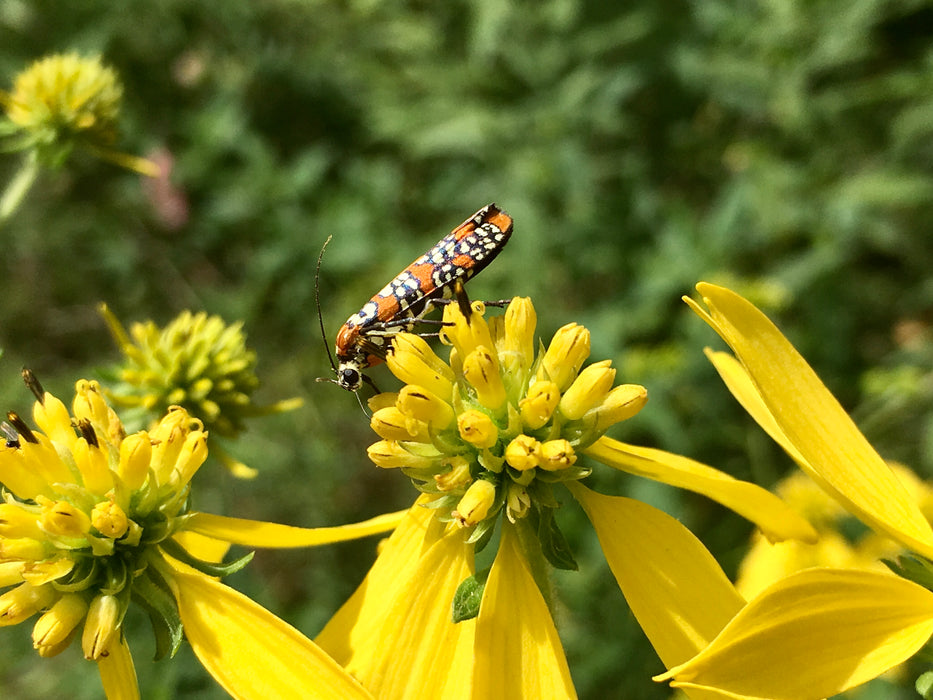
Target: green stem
(19, 186)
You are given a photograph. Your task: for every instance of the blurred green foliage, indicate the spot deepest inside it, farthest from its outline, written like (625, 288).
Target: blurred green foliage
(781, 147)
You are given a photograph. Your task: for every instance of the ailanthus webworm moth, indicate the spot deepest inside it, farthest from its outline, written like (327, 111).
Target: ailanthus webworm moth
(364, 339)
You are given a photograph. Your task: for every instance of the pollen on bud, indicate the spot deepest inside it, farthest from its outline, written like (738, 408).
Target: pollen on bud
(135, 457)
(523, 453)
(457, 477)
(109, 519)
(556, 454)
(481, 370)
(539, 403)
(588, 389)
(55, 629)
(566, 354)
(620, 404)
(412, 361)
(475, 504)
(104, 616)
(421, 404)
(477, 428)
(63, 519)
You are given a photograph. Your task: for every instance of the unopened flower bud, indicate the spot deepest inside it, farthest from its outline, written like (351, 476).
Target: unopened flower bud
(104, 616)
(523, 453)
(475, 504)
(566, 354)
(413, 361)
(109, 519)
(54, 630)
(588, 389)
(135, 456)
(539, 403)
(477, 428)
(556, 455)
(421, 404)
(481, 370)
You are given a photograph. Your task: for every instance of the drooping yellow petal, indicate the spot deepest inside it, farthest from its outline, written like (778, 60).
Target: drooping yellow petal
(518, 655)
(395, 633)
(775, 518)
(829, 446)
(250, 652)
(257, 533)
(117, 672)
(673, 585)
(814, 634)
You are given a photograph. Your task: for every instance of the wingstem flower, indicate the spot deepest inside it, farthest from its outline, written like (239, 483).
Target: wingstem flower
(93, 519)
(61, 102)
(820, 631)
(198, 362)
(488, 438)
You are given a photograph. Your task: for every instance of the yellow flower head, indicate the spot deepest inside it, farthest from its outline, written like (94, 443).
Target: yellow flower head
(92, 519)
(85, 522)
(197, 362)
(499, 425)
(65, 100)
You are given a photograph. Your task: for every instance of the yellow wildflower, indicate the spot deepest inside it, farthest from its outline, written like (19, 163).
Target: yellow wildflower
(78, 544)
(500, 430)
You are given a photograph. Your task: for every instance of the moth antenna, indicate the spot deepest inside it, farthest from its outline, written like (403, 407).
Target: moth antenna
(317, 302)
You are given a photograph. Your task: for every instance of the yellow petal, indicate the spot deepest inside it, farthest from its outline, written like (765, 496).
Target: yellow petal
(395, 633)
(117, 672)
(775, 518)
(257, 533)
(814, 634)
(829, 447)
(673, 585)
(250, 652)
(518, 653)
(360, 618)
(203, 547)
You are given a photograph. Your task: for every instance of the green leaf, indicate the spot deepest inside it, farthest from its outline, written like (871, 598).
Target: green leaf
(152, 594)
(553, 543)
(468, 597)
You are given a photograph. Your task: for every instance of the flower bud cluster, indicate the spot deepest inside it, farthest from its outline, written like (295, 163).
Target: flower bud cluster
(495, 427)
(84, 511)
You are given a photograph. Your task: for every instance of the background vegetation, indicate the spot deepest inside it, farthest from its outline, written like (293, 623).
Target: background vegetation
(781, 147)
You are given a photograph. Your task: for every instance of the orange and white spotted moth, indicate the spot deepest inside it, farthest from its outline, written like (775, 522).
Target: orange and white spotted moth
(365, 338)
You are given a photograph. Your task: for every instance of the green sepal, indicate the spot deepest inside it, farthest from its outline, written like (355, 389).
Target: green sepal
(176, 551)
(573, 473)
(554, 545)
(153, 595)
(468, 596)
